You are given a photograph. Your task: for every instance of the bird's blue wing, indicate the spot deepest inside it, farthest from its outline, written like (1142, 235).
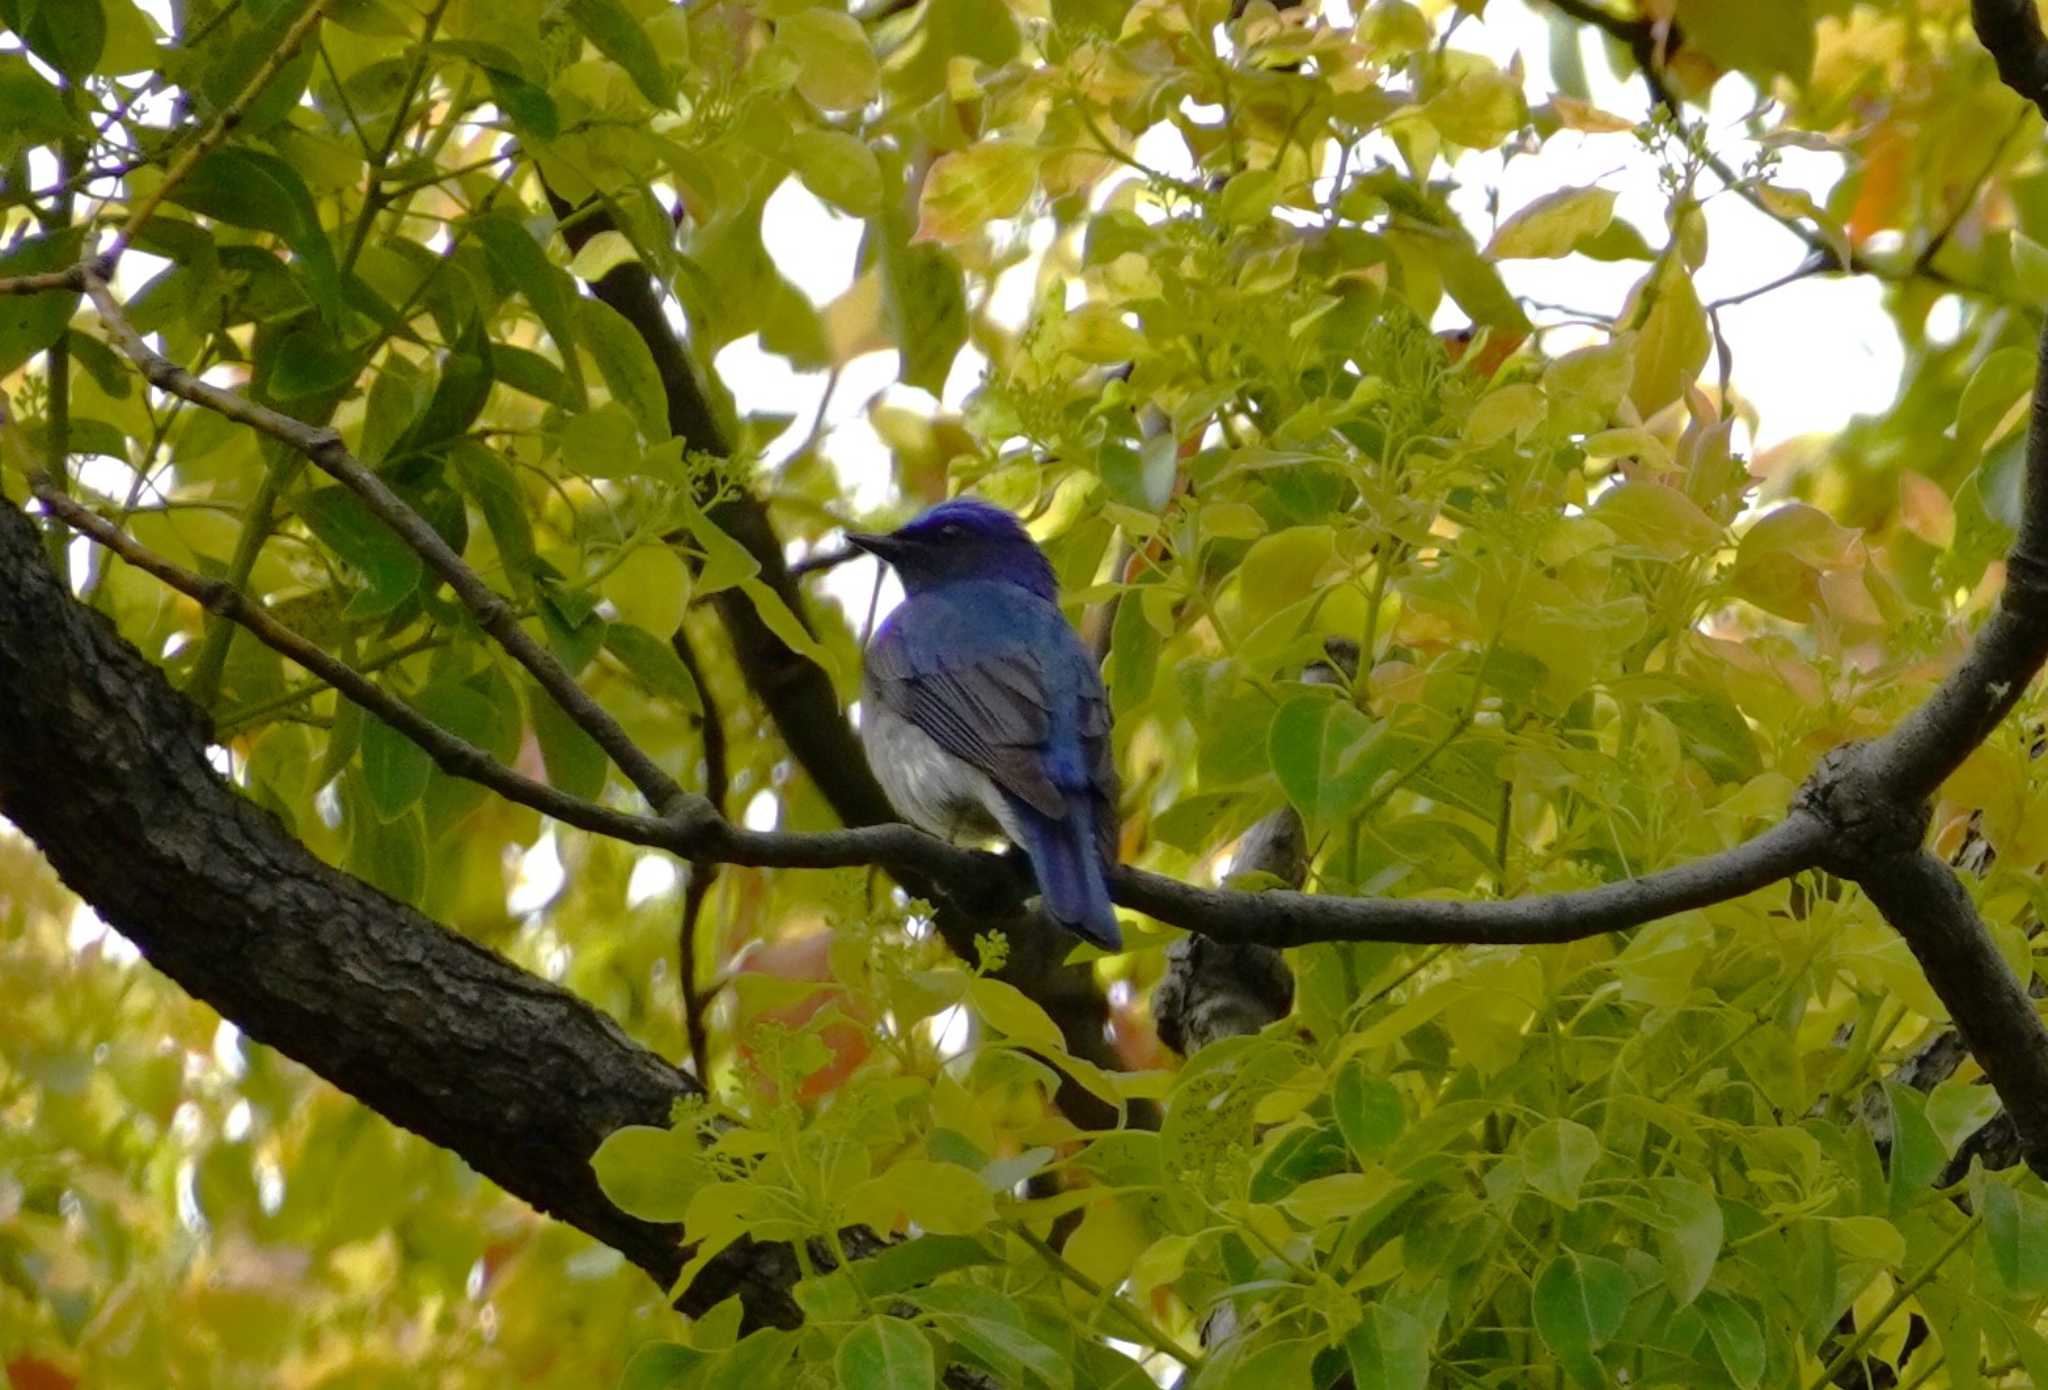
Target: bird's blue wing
(1003, 686)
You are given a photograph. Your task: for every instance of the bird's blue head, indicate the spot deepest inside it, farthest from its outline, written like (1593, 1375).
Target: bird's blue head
(961, 540)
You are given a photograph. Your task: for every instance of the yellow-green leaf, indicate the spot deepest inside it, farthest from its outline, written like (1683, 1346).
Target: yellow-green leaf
(1553, 225)
(1660, 520)
(942, 1198)
(966, 190)
(837, 67)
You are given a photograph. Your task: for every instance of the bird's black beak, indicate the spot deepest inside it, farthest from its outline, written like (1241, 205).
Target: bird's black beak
(882, 547)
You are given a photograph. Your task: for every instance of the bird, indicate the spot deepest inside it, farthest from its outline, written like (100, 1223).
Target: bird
(982, 712)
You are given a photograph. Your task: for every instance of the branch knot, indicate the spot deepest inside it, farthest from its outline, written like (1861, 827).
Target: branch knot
(1867, 822)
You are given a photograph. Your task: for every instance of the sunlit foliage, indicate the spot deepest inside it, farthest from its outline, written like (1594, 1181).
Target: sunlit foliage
(1221, 300)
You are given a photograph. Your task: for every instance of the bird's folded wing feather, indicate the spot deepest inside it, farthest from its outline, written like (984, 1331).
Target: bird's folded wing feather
(989, 707)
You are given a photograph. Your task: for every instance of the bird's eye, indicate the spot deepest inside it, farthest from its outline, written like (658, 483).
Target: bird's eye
(952, 530)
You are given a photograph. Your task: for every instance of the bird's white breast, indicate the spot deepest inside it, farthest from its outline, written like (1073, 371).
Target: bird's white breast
(928, 786)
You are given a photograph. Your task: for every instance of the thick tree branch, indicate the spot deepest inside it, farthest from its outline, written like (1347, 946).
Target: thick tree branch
(1989, 1004)
(105, 767)
(2011, 31)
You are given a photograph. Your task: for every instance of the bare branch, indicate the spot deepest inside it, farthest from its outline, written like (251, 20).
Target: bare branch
(1296, 919)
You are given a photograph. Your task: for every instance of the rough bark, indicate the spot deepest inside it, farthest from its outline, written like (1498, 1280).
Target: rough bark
(105, 767)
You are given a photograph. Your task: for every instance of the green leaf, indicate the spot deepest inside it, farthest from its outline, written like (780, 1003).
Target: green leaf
(248, 188)
(1478, 110)
(1687, 1221)
(1958, 1109)
(487, 480)
(538, 377)
(69, 35)
(885, 1354)
(1672, 340)
(649, 1172)
(529, 106)
(395, 769)
(1305, 1154)
(460, 394)
(31, 322)
(574, 631)
(967, 189)
(390, 855)
(662, 1366)
(2030, 268)
(1994, 389)
(837, 69)
(1556, 1156)
(1656, 520)
(235, 61)
(726, 561)
(840, 168)
(1283, 568)
(1014, 1014)
(614, 32)
(574, 762)
(519, 260)
(1368, 1110)
(308, 362)
(1917, 1154)
(2016, 1231)
(759, 1359)
(1389, 1350)
(927, 303)
(626, 365)
(779, 619)
(32, 112)
(1318, 747)
(1553, 225)
(907, 1265)
(1133, 655)
(390, 569)
(654, 664)
(649, 587)
(1580, 1302)
(989, 1327)
(1760, 37)
(942, 1198)
(1737, 1337)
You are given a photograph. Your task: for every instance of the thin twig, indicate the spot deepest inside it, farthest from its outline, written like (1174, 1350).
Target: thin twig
(703, 872)
(324, 448)
(224, 122)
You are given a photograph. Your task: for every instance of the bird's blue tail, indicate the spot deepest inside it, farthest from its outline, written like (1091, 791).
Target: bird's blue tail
(1066, 855)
